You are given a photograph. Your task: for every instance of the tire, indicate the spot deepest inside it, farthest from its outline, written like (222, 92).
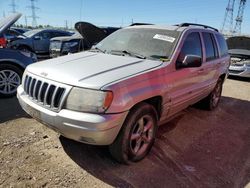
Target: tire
(10, 79)
(213, 99)
(132, 144)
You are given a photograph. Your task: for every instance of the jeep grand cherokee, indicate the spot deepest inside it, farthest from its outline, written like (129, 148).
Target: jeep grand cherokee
(134, 80)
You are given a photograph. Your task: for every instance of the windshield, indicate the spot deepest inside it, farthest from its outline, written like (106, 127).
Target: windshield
(31, 33)
(150, 43)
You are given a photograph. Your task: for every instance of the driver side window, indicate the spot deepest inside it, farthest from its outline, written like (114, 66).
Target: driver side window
(44, 35)
(191, 46)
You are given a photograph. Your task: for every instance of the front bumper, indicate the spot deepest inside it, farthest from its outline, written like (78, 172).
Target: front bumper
(96, 129)
(242, 71)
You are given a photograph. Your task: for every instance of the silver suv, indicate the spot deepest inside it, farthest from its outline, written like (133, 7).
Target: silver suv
(134, 80)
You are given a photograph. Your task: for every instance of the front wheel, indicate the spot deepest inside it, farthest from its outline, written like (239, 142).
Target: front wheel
(137, 135)
(10, 79)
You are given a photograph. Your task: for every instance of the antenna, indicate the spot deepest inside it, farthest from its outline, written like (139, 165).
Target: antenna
(33, 13)
(227, 25)
(239, 18)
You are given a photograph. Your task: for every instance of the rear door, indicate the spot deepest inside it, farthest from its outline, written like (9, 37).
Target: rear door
(211, 63)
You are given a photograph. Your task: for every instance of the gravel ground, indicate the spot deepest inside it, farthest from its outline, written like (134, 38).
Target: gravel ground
(197, 149)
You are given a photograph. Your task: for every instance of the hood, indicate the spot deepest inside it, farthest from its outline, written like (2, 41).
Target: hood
(67, 38)
(91, 70)
(7, 22)
(245, 54)
(239, 42)
(90, 32)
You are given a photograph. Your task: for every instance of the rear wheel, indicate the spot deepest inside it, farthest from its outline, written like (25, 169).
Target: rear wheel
(10, 79)
(136, 136)
(213, 99)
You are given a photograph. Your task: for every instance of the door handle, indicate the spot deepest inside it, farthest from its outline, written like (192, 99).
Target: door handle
(200, 71)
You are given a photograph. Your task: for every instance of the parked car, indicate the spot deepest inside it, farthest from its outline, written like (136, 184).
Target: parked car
(12, 62)
(239, 49)
(86, 36)
(3, 41)
(132, 81)
(11, 34)
(7, 37)
(37, 41)
(20, 30)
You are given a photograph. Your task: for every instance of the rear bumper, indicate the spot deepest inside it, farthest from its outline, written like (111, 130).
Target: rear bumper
(96, 129)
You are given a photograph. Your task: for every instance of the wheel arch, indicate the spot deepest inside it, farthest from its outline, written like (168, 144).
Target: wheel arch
(155, 101)
(25, 46)
(223, 77)
(14, 63)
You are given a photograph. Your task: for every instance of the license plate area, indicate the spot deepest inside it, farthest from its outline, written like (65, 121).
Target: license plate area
(33, 112)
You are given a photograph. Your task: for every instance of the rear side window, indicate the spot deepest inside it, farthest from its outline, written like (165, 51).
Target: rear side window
(191, 46)
(222, 45)
(211, 51)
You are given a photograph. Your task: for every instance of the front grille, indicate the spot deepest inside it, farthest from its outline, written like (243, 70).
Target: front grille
(44, 93)
(237, 65)
(236, 71)
(55, 45)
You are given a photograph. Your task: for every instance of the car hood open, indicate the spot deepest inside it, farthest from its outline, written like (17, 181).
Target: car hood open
(7, 22)
(91, 70)
(239, 42)
(91, 33)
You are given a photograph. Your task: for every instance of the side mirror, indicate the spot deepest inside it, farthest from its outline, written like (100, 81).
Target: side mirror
(190, 61)
(37, 38)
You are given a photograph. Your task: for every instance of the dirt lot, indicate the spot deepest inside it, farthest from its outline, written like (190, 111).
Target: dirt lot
(197, 149)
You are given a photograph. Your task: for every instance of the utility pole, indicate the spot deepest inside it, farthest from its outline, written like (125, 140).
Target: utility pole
(13, 6)
(66, 24)
(239, 18)
(227, 25)
(33, 13)
(26, 22)
(81, 10)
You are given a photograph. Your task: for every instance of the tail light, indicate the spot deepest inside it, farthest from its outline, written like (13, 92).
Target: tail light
(3, 42)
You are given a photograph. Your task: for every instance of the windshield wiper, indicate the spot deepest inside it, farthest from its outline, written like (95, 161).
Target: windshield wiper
(159, 57)
(97, 49)
(128, 53)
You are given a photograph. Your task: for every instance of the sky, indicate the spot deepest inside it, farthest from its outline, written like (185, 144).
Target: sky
(122, 13)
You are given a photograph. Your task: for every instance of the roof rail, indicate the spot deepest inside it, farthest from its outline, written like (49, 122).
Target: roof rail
(135, 24)
(194, 24)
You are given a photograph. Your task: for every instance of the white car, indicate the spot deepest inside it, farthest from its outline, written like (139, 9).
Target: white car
(132, 81)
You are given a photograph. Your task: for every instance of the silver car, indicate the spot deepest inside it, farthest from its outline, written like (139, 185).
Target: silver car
(240, 63)
(134, 80)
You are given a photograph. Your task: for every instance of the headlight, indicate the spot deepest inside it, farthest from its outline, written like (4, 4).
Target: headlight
(87, 100)
(30, 55)
(247, 63)
(68, 45)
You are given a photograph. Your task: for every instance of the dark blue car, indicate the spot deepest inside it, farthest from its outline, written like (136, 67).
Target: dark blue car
(37, 40)
(12, 62)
